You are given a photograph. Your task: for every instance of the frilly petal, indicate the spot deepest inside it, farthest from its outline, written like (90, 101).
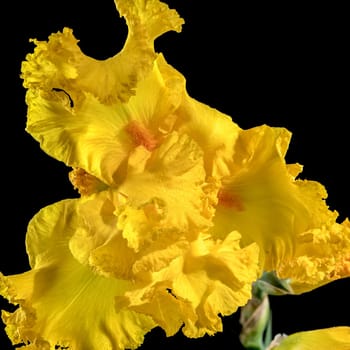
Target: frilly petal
(158, 301)
(97, 137)
(142, 243)
(288, 218)
(60, 64)
(210, 278)
(62, 302)
(97, 238)
(213, 130)
(174, 176)
(321, 256)
(216, 279)
(260, 198)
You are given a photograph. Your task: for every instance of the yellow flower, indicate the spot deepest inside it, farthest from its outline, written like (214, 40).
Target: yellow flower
(180, 209)
(134, 251)
(321, 339)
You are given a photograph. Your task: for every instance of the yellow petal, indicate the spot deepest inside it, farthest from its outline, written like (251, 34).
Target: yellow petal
(60, 64)
(62, 302)
(215, 277)
(213, 130)
(260, 198)
(98, 138)
(175, 177)
(97, 238)
(321, 339)
(288, 218)
(157, 300)
(321, 256)
(206, 279)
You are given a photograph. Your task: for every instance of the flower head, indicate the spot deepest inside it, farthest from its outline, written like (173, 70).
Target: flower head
(180, 210)
(147, 160)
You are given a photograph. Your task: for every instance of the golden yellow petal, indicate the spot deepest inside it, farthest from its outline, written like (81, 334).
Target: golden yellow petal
(174, 176)
(213, 130)
(157, 300)
(89, 139)
(97, 238)
(98, 138)
(321, 339)
(62, 302)
(216, 278)
(260, 198)
(60, 64)
(196, 283)
(322, 255)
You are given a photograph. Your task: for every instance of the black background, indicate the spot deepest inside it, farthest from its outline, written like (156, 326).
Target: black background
(260, 62)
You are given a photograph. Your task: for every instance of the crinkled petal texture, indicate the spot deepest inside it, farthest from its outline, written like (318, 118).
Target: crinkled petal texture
(174, 176)
(212, 278)
(61, 301)
(98, 137)
(321, 256)
(321, 339)
(95, 284)
(214, 131)
(264, 202)
(179, 277)
(60, 64)
(260, 198)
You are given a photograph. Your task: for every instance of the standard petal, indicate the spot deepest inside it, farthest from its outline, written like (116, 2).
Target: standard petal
(174, 176)
(60, 64)
(62, 302)
(213, 130)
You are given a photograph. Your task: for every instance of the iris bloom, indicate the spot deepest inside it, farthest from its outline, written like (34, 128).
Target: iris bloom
(321, 339)
(180, 209)
(134, 252)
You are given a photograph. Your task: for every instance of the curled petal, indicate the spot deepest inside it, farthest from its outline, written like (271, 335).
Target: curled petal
(174, 176)
(260, 198)
(215, 277)
(214, 131)
(288, 218)
(158, 301)
(62, 302)
(209, 278)
(60, 64)
(321, 256)
(98, 138)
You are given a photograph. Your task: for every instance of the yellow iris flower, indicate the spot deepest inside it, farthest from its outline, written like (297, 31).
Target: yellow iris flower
(321, 339)
(134, 251)
(180, 209)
